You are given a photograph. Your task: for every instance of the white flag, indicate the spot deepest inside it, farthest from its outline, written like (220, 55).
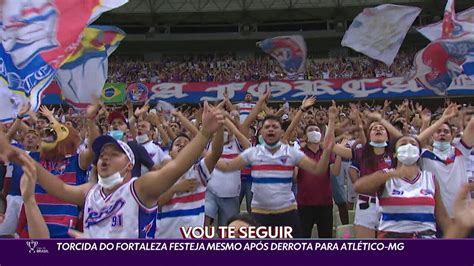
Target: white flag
(464, 23)
(379, 32)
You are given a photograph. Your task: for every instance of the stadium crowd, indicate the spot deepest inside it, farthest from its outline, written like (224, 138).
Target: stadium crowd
(229, 68)
(391, 170)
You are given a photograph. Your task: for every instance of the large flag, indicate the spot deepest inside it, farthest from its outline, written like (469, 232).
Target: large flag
(440, 62)
(379, 32)
(464, 23)
(37, 37)
(468, 66)
(84, 73)
(289, 51)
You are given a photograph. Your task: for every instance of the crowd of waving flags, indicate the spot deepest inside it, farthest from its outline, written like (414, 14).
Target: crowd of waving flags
(42, 36)
(379, 32)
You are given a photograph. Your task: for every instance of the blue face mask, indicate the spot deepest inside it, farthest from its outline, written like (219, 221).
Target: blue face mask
(441, 145)
(116, 134)
(378, 145)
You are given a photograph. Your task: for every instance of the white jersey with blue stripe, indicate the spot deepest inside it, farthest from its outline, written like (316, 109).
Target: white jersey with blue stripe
(450, 172)
(408, 206)
(272, 176)
(245, 109)
(185, 209)
(118, 215)
(226, 184)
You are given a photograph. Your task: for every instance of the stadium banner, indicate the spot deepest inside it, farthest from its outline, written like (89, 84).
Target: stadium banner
(337, 89)
(237, 252)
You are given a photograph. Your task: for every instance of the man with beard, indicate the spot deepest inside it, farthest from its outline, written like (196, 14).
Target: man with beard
(246, 106)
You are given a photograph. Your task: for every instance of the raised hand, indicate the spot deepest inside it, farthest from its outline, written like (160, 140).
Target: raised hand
(140, 111)
(373, 115)
(212, 118)
(308, 102)
(265, 96)
(386, 104)
(333, 112)
(93, 108)
(46, 112)
(464, 209)
(25, 108)
(451, 111)
(8, 153)
(425, 116)
(418, 107)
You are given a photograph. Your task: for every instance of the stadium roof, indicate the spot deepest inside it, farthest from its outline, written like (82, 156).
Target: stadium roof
(169, 13)
(179, 6)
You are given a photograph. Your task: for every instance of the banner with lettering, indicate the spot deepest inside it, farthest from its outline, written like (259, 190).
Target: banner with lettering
(337, 89)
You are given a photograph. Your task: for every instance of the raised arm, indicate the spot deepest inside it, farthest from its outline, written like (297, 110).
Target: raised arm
(185, 122)
(51, 183)
(244, 141)
(216, 150)
(150, 186)
(371, 183)
(154, 119)
(245, 129)
(37, 227)
(468, 134)
(307, 103)
(376, 116)
(463, 214)
(87, 156)
(18, 124)
(449, 113)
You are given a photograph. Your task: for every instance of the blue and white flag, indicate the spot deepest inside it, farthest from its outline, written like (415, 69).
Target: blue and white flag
(468, 66)
(379, 32)
(36, 39)
(464, 23)
(289, 51)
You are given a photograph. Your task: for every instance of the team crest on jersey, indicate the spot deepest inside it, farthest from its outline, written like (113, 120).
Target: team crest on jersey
(426, 191)
(397, 192)
(283, 160)
(95, 217)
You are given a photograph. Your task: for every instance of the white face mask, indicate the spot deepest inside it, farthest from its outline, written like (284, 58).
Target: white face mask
(142, 138)
(408, 154)
(314, 136)
(112, 180)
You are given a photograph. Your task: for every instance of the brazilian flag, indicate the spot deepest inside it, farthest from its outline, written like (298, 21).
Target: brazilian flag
(113, 93)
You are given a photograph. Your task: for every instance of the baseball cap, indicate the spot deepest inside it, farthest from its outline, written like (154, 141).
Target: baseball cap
(99, 143)
(115, 115)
